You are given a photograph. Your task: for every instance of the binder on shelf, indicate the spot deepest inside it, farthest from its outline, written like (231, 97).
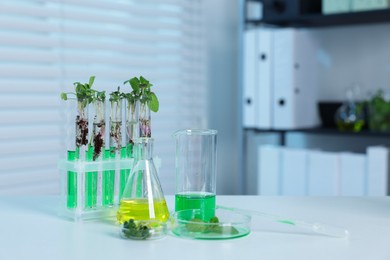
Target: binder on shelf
(352, 174)
(294, 171)
(250, 78)
(268, 181)
(294, 79)
(265, 66)
(323, 173)
(257, 78)
(377, 171)
(254, 10)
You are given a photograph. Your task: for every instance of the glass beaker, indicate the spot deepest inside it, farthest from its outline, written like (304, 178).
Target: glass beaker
(143, 198)
(196, 154)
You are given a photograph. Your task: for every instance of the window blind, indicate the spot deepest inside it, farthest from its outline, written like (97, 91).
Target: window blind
(45, 46)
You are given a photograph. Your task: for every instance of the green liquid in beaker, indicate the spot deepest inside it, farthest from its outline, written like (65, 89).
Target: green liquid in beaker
(203, 201)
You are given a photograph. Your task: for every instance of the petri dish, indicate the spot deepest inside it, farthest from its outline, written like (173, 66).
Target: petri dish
(143, 229)
(227, 224)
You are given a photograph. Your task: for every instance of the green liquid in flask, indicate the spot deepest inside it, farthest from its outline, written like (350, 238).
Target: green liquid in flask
(203, 201)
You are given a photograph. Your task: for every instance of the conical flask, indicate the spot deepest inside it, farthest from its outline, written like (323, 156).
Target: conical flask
(143, 198)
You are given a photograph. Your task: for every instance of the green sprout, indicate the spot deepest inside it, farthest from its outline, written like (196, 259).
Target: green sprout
(84, 93)
(115, 96)
(141, 89)
(136, 231)
(212, 226)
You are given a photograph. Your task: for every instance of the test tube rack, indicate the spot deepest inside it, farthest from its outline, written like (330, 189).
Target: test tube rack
(84, 188)
(95, 205)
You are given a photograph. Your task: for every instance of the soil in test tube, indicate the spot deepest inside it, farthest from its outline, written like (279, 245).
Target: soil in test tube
(203, 201)
(138, 209)
(90, 183)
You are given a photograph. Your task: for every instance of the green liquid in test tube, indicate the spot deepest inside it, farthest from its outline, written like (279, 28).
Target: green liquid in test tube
(72, 183)
(130, 155)
(90, 183)
(124, 173)
(112, 157)
(108, 183)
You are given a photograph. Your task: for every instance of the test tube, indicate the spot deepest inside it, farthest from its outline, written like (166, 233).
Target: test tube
(108, 183)
(132, 132)
(96, 150)
(90, 182)
(71, 183)
(72, 154)
(108, 176)
(115, 134)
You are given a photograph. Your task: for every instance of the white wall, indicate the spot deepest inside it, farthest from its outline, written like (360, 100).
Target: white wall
(353, 54)
(223, 23)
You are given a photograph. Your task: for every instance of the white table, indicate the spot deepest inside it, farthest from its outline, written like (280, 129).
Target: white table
(31, 229)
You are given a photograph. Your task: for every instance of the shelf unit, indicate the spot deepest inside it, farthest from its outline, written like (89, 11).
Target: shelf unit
(308, 13)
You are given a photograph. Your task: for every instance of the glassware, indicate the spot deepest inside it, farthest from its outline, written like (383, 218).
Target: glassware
(81, 135)
(99, 129)
(350, 116)
(95, 151)
(229, 224)
(196, 153)
(71, 115)
(132, 125)
(83, 152)
(145, 123)
(115, 128)
(132, 132)
(115, 131)
(143, 201)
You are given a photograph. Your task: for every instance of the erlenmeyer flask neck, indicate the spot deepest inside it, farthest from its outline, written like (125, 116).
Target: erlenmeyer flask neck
(143, 148)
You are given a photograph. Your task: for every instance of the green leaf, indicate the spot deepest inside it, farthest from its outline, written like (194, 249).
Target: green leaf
(91, 80)
(134, 82)
(196, 225)
(143, 80)
(64, 96)
(78, 87)
(101, 95)
(154, 104)
(214, 220)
